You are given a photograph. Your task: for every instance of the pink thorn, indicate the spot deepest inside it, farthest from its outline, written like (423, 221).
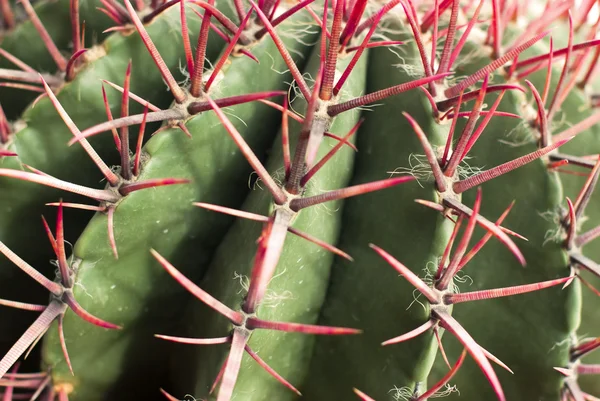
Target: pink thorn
(232, 212)
(256, 323)
(22, 306)
(488, 116)
(214, 12)
(266, 259)
(133, 96)
(380, 43)
(411, 334)
(548, 76)
(178, 93)
(225, 55)
(430, 16)
(478, 179)
(169, 396)
(585, 348)
(496, 22)
(278, 195)
(126, 189)
(8, 393)
(322, 244)
(5, 129)
(448, 249)
(79, 206)
(49, 233)
(296, 74)
(555, 103)
(62, 395)
(502, 292)
(445, 58)
(8, 18)
(195, 341)
(435, 33)
(588, 285)
(497, 361)
(429, 153)
(494, 65)
(63, 343)
(60, 61)
(452, 101)
(104, 169)
(578, 128)
(362, 395)
(50, 285)
(452, 269)
(111, 231)
(447, 377)
(25, 67)
(285, 139)
(329, 154)
(414, 26)
(455, 53)
(557, 53)
(572, 229)
(199, 293)
(301, 203)
(458, 154)
(138, 146)
(110, 118)
(543, 120)
(586, 263)
(72, 63)
(356, 56)
(336, 109)
(411, 277)
(450, 139)
(199, 107)
(70, 300)
(124, 133)
(38, 327)
(232, 366)
(115, 18)
(285, 15)
(218, 378)
(271, 371)
(588, 369)
(352, 22)
(588, 236)
(585, 194)
(187, 46)
(488, 235)
(60, 247)
(450, 324)
(483, 222)
(326, 88)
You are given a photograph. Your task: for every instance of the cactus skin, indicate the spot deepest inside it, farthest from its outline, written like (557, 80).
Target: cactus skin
(142, 299)
(24, 42)
(365, 290)
(303, 269)
(22, 203)
(532, 333)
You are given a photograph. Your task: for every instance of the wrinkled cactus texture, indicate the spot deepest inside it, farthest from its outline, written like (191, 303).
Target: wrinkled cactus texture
(276, 199)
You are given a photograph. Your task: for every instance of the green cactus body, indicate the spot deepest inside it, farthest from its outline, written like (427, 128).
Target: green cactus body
(274, 281)
(367, 293)
(21, 203)
(298, 287)
(551, 317)
(132, 290)
(24, 42)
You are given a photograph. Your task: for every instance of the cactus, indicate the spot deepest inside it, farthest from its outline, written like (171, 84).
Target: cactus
(266, 200)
